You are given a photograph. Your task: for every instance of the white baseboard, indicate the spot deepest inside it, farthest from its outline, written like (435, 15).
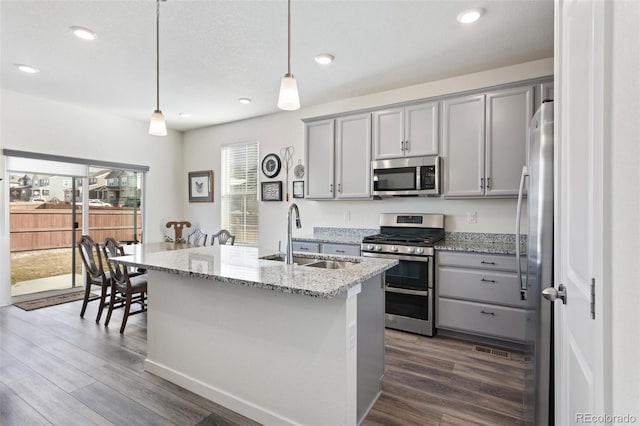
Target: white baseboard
(216, 395)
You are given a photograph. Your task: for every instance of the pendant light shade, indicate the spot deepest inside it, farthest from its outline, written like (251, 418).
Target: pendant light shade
(288, 99)
(157, 126)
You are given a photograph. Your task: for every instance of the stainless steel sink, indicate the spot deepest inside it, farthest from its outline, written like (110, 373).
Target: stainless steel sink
(330, 264)
(312, 261)
(296, 259)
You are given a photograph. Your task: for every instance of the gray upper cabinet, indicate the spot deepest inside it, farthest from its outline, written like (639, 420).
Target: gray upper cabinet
(319, 152)
(338, 157)
(508, 113)
(463, 146)
(353, 157)
(485, 139)
(544, 92)
(407, 131)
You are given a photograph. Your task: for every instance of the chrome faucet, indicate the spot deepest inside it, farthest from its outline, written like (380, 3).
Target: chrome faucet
(298, 225)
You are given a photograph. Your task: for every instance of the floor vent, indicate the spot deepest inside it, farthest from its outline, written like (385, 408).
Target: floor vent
(492, 351)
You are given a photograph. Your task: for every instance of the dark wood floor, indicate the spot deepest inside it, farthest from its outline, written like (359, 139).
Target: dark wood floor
(56, 368)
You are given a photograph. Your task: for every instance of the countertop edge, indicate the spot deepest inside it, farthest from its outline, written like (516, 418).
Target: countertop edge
(373, 271)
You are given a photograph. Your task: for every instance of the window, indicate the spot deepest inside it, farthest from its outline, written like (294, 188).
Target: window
(239, 185)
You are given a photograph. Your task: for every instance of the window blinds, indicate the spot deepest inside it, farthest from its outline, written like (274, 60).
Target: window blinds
(239, 187)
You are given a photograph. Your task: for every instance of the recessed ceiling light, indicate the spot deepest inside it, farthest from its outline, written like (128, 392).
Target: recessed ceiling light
(184, 114)
(470, 15)
(83, 33)
(244, 101)
(324, 58)
(28, 69)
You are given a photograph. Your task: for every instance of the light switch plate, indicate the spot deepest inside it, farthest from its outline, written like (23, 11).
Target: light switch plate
(472, 217)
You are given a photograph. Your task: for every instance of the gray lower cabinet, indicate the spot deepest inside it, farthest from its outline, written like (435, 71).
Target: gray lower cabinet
(479, 294)
(306, 247)
(327, 248)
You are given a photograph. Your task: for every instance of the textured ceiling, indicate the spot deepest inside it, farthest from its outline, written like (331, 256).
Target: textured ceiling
(214, 52)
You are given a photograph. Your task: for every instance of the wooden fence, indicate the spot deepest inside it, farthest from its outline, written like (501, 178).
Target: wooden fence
(50, 226)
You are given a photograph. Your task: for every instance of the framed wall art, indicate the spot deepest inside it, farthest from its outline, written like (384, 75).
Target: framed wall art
(201, 186)
(272, 191)
(298, 189)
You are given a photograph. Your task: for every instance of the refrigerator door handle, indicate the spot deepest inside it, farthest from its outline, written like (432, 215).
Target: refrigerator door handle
(523, 285)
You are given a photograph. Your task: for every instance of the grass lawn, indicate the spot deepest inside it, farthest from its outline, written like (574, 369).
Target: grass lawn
(31, 265)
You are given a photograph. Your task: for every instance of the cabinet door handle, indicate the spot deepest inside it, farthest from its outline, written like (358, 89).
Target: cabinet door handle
(487, 313)
(339, 251)
(488, 183)
(339, 187)
(484, 280)
(304, 248)
(406, 145)
(402, 146)
(487, 263)
(481, 183)
(331, 188)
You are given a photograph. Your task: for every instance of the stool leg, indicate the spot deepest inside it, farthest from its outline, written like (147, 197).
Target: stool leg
(125, 315)
(87, 291)
(103, 299)
(112, 301)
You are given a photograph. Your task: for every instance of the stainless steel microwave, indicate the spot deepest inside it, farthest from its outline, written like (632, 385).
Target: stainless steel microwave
(405, 177)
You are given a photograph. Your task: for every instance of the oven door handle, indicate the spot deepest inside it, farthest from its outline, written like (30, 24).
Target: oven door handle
(405, 291)
(423, 259)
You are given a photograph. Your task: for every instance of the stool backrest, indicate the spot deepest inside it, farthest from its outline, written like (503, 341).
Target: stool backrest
(117, 271)
(197, 238)
(91, 257)
(223, 237)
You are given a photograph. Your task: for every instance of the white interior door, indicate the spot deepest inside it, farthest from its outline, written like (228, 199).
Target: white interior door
(579, 210)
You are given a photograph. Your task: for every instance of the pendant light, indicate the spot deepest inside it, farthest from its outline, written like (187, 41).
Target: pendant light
(288, 99)
(157, 126)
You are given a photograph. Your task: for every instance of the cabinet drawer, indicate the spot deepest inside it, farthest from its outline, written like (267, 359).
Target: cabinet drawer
(499, 262)
(482, 286)
(488, 320)
(306, 247)
(341, 249)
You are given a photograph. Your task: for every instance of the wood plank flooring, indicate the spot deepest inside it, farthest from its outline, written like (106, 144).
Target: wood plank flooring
(57, 368)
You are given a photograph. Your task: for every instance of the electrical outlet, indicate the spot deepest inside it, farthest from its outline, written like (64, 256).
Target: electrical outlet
(472, 217)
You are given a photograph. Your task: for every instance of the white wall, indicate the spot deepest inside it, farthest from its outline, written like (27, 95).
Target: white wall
(624, 209)
(202, 152)
(44, 126)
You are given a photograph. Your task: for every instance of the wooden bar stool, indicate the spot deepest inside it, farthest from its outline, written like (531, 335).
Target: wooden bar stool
(125, 289)
(91, 256)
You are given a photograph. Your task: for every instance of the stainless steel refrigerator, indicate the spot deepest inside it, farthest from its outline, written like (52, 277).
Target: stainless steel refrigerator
(536, 266)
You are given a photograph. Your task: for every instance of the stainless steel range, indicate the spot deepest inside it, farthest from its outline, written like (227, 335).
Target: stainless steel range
(409, 286)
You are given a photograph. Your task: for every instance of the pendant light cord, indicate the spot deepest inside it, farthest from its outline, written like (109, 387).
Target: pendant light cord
(157, 55)
(289, 38)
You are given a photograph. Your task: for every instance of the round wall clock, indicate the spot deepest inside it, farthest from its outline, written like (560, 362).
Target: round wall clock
(271, 165)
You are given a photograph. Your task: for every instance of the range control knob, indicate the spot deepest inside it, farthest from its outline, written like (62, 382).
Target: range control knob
(379, 248)
(419, 250)
(394, 248)
(370, 247)
(411, 249)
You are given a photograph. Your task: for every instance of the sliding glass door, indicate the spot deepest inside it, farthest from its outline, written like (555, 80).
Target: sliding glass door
(44, 227)
(53, 200)
(115, 204)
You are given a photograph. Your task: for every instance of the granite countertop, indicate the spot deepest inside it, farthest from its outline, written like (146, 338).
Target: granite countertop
(481, 243)
(337, 235)
(247, 266)
(454, 241)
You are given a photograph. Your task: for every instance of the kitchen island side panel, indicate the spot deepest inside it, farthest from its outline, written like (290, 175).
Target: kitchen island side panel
(273, 357)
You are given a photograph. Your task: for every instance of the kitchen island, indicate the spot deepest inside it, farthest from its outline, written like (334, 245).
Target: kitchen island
(281, 344)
